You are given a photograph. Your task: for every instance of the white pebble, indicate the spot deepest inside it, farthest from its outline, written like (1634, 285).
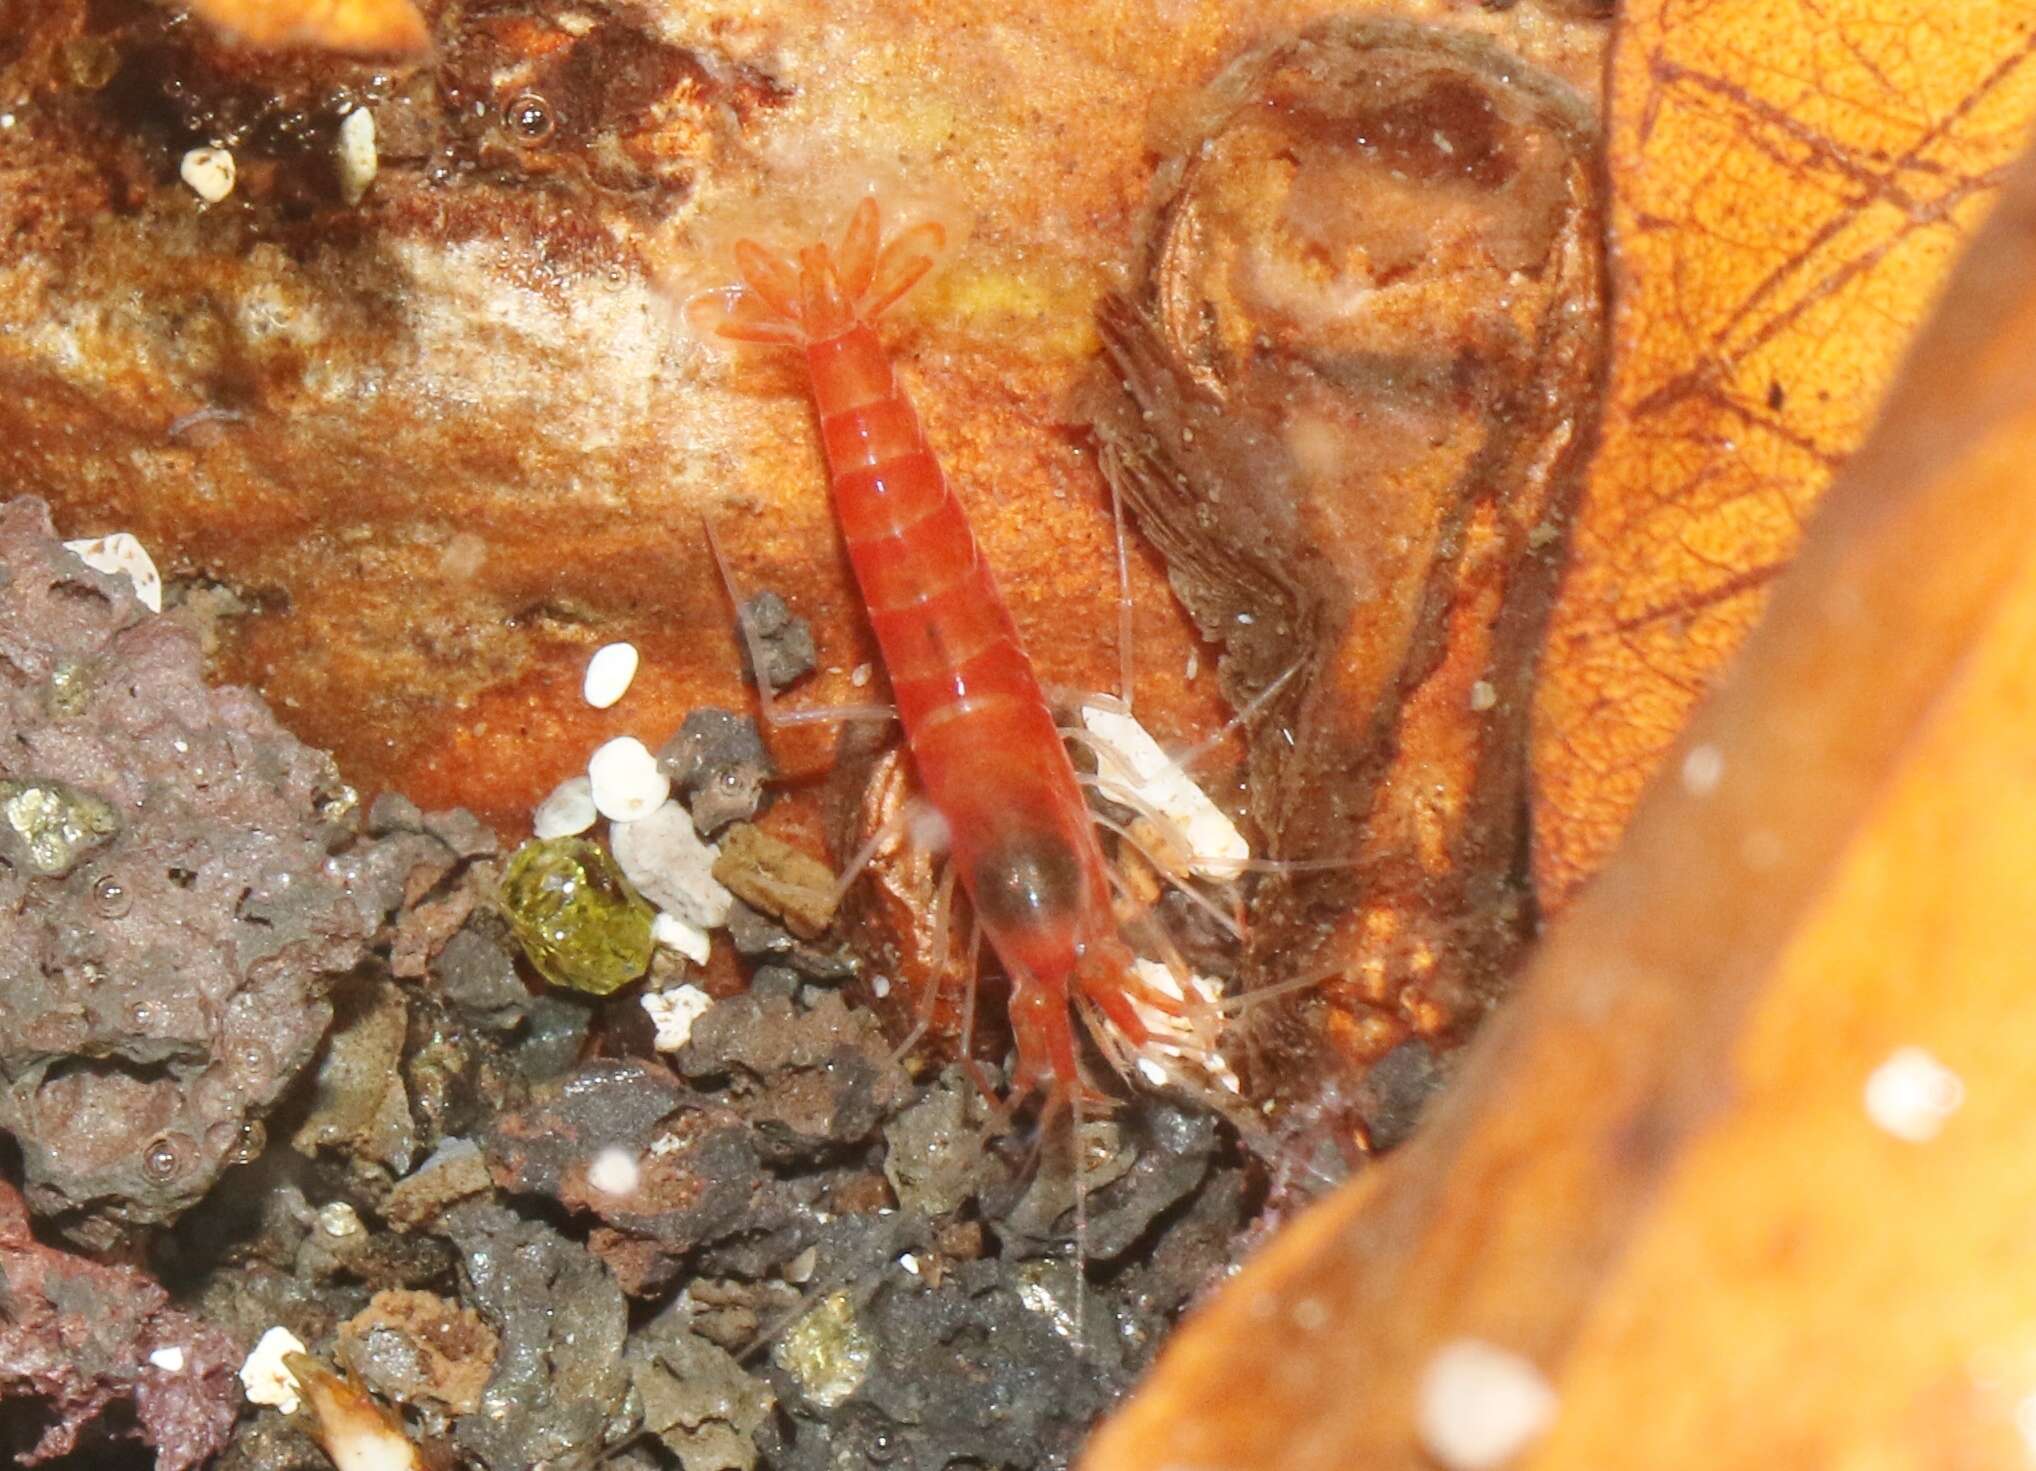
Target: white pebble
(355, 157)
(1483, 695)
(676, 934)
(614, 1172)
(910, 1263)
(1480, 1406)
(263, 1376)
(339, 1219)
(1912, 1095)
(609, 673)
(673, 1013)
(568, 810)
(170, 1360)
(860, 675)
(625, 781)
(119, 552)
(209, 172)
(672, 865)
(1132, 770)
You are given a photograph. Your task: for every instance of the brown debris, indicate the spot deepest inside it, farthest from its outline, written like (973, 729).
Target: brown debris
(809, 1079)
(410, 1346)
(1351, 388)
(455, 1173)
(358, 1102)
(914, 973)
(772, 875)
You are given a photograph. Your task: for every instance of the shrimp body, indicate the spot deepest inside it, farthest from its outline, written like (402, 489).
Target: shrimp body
(982, 736)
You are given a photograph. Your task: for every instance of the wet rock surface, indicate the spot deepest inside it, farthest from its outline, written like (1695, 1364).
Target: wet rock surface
(526, 1237)
(172, 911)
(557, 1393)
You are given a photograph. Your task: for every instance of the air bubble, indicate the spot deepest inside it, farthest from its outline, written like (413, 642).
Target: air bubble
(529, 117)
(251, 1138)
(164, 1159)
(110, 897)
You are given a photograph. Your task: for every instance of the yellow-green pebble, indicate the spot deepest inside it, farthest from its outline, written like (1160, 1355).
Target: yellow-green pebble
(575, 915)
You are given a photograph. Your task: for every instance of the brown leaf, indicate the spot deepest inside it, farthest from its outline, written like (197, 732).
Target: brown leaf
(1657, 1183)
(373, 27)
(1790, 183)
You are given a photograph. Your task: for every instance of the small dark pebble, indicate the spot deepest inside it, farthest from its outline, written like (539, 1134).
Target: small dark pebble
(718, 763)
(476, 972)
(785, 640)
(1393, 1093)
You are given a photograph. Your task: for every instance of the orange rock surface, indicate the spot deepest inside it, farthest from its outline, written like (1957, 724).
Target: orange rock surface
(450, 439)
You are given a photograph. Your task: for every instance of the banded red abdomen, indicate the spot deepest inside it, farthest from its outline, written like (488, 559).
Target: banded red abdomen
(981, 733)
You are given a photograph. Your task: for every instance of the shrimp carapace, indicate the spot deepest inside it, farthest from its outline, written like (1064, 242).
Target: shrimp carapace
(983, 739)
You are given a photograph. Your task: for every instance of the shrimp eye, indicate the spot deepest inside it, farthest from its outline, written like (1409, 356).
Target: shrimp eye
(1027, 878)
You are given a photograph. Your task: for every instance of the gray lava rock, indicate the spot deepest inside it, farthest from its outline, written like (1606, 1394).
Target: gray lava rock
(1395, 1091)
(1139, 1165)
(718, 763)
(759, 937)
(981, 1370)
(696, 1398)
(698, 1175)
(810, 1081)
(169, 911)
(476, 974)
(935, 1150)
(560, 1391)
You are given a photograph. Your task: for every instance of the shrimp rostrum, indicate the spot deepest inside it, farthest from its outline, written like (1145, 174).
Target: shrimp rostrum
(982, 737)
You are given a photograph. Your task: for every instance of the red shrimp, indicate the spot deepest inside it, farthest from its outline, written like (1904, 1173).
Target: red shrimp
(988, 754)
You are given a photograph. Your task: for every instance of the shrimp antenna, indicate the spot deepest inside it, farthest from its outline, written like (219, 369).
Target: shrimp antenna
(1188, 759)
(1124, 670)
(767, 704)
